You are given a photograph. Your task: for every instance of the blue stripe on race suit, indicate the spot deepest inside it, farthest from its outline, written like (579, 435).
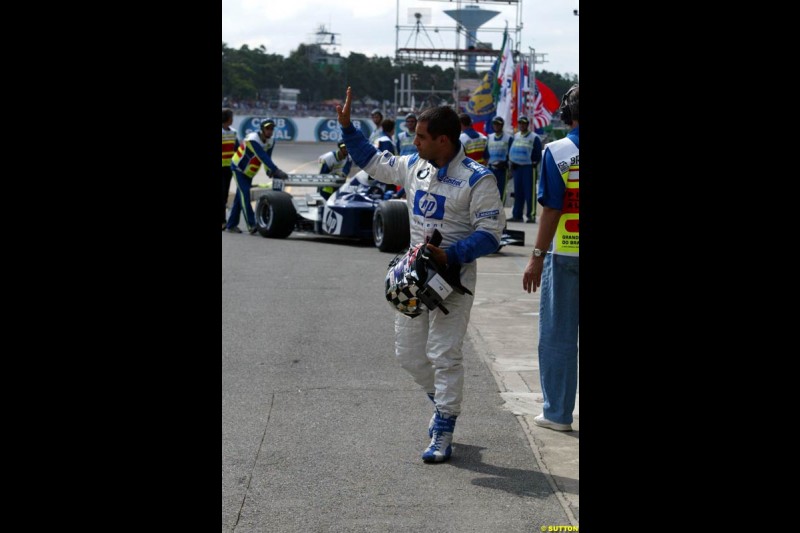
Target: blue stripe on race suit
(478, 244)
(479, 171)
(358, 146)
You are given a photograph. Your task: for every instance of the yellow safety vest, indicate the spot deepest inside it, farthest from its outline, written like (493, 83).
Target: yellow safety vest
(228, 146)
(245, 158)
(567, 158)
(405, 143)
(522, 148)
(474, 148)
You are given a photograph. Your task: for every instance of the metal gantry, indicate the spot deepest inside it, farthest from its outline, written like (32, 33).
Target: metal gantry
(466, 50)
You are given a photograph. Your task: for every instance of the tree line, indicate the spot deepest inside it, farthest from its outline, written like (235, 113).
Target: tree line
(251, 73)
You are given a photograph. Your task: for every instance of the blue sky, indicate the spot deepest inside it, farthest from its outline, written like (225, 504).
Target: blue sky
(548, 26)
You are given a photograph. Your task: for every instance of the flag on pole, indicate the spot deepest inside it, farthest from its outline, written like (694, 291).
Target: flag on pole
(515, 96)
(545, 103)
(497, 69)
(483, 100)
(522, 91)
(505, 79)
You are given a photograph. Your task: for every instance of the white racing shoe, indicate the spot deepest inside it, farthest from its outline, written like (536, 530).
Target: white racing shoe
(440, 447)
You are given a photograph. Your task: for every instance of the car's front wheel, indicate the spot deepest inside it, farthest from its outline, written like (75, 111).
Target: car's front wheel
(275, 214)
(390, 228)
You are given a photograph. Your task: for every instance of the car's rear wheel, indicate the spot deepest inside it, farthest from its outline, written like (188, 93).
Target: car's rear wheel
(275, 214)
(390, 229)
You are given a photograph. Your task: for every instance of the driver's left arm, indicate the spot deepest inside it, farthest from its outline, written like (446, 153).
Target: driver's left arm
(488, 218)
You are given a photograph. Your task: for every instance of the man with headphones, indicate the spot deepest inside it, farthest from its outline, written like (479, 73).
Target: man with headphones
(554, 266)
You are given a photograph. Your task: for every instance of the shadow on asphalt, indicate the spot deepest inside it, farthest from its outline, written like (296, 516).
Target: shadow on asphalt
(529, 483)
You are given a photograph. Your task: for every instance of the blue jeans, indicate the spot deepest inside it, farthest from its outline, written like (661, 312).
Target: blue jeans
(558, 337)
(242, 202)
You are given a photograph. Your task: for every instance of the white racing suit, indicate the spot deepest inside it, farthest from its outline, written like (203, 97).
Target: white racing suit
(462, 201)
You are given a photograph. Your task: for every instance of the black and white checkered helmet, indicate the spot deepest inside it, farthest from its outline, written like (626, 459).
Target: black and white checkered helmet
(403, 283)
(413, 283)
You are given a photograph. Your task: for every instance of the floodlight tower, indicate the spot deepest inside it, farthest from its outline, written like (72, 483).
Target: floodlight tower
(471, 18)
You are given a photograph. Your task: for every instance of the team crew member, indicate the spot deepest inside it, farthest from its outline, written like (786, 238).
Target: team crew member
(474, 143)
(337, 162)
(554, 266)
(499, 143)
(525, 154)
(384, 142)
(229, 143)
(252, 152)
(377, 118)
(445, 191)
(405, 140)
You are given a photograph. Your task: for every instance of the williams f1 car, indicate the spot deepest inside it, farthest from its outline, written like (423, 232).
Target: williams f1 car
(356, 209)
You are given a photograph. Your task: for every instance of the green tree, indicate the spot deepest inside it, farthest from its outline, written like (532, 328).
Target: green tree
(248, 74)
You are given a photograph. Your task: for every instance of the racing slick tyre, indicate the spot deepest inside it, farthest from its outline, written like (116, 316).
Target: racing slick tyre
(275, 214)
(390, 229)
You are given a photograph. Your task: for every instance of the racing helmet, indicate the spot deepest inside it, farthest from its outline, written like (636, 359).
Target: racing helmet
(413, 283)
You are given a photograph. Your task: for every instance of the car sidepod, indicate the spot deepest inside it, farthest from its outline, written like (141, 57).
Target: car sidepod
(348, 213)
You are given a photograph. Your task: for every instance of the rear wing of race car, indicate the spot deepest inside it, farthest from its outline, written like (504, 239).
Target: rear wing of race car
(313, 180)
(301, 180)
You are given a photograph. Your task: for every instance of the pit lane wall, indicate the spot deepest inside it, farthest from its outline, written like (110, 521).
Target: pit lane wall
(305, 129)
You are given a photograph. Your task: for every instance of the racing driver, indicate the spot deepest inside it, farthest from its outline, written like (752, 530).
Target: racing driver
(445, 190)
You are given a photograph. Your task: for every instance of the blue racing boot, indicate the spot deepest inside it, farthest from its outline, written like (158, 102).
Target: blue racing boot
(440, 447)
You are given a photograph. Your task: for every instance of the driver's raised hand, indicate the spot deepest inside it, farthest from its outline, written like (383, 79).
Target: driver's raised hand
(343, 112)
